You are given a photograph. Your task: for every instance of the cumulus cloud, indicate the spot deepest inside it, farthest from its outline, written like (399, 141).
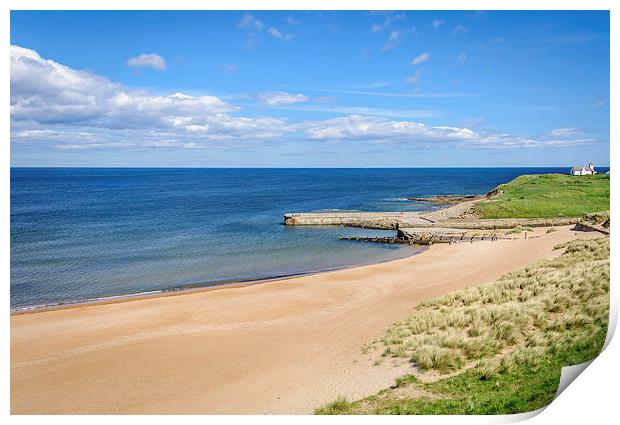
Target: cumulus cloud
(147, 60)
(292, 21)
(46, 93)
(359, 127)
(285, 36)
(421, 58)
(57, 107)
(280, 98)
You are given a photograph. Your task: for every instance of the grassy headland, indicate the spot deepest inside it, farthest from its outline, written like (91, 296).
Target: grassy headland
(547, 196)
(503, 344)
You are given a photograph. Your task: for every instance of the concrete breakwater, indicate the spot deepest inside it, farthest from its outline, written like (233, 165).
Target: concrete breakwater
(378, 220)
(399, 220)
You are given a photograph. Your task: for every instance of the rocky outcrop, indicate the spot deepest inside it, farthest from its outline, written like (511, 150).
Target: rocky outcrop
(494, 193)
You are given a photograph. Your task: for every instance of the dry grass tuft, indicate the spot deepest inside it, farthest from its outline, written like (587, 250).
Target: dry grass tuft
(512, 321)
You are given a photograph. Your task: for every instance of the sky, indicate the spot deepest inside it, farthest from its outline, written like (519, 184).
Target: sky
(309, 89)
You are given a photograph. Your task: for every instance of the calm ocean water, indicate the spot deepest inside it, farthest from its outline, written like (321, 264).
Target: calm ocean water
(79, 234)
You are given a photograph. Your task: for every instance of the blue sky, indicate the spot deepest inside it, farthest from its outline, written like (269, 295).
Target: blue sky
(296, 88)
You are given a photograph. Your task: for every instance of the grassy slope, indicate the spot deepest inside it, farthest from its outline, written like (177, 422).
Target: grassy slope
(504, 343)
(547, 196)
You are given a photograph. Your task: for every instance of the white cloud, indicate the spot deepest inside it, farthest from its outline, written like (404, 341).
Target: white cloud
(394, 38)
(325, 107)
(249, 21)
(57, 107)
(438, 22)
(383, 130)
(461, 58)
(378, 84)
(147, 60)
(228, 68)
(47, 96)
(285, 36)
(280, 98)
(502, 140)
(376, 28)
(414, 79)
(388, 19)
(292, 21)
(459, 29)
(357, 127)
(564, 132)
(421, 58)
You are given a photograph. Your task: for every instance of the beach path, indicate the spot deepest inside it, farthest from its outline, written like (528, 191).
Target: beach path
(284, 346)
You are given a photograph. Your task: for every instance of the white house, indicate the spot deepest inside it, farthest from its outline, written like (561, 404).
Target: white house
(582, 171)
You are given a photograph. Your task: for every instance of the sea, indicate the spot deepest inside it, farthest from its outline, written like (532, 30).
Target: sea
(82, 234)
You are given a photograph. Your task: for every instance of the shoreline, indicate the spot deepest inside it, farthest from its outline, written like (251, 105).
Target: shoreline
(192, 288)
(285, 346)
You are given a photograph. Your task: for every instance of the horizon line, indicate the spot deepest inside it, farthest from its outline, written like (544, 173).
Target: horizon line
(293, 168)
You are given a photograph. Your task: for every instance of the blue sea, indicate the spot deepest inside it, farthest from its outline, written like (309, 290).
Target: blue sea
(87, 233)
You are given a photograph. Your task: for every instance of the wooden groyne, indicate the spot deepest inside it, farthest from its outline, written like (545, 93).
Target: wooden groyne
(377, 239)
(429, 236)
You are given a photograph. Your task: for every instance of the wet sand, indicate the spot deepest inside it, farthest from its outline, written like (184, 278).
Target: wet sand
(284, 346)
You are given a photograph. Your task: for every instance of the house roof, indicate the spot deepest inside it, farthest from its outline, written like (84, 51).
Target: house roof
(576, 168)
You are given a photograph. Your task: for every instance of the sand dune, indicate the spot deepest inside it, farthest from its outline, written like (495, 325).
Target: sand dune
(279, 347)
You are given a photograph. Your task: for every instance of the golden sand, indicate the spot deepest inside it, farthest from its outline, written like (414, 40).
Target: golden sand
(285, 346)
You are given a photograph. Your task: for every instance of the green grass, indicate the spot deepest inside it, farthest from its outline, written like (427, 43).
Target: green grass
(548, 196)
(337, 407)
(504, 343)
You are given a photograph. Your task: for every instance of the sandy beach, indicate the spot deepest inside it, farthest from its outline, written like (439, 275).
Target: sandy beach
(284, 346)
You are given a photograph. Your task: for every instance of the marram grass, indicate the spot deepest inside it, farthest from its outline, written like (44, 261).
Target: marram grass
(503, 343)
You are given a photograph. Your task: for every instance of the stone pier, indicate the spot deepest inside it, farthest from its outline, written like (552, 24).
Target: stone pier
(362, 219)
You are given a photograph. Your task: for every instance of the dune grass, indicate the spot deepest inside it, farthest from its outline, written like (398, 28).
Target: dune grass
(503, 343)
(519, 229)
(548, 196)
(601, 218)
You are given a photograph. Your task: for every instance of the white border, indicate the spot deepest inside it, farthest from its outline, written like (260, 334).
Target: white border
(591, 398)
